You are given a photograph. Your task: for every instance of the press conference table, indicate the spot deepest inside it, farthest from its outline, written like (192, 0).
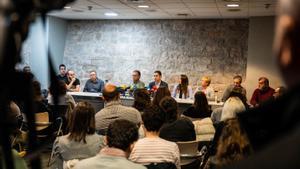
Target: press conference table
(98, 103)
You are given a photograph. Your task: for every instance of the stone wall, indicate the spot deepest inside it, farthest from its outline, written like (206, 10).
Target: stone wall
(216, 48)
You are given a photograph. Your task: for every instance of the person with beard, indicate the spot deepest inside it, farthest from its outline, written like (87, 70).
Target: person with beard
(262, 93)
(273, 128)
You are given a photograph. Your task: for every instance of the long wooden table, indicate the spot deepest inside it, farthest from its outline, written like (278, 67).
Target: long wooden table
(98, 103)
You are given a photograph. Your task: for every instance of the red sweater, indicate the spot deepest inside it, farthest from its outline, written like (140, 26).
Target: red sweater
(260, 96)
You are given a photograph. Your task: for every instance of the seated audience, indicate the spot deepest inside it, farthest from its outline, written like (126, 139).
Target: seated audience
(157, 83)
(81, 142)
(27, 69)
(141, 99)
(205, 88)
(64, 98)
(39, 102)
(235, 92)
(262, 93)
(183, 90)
(160, 94)
(279, 91)
(233, 145)
(114, 110)
(175, 128)
(200, 108)
(237, 81)
(62, 73)
(278, 120)
(136, 82)
(204, 129)
(73, 84)
(232, 107)
(153, 149)
(120, 137)
(94, 84)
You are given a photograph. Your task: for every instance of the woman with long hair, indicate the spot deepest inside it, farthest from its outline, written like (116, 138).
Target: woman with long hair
(233, 145)
(175, 128)
(160, 94)
(183, 90)
(81, 142)
(200, 108)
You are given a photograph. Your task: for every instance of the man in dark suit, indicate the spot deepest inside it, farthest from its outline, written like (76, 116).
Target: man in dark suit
(274, 127)
(153, 86)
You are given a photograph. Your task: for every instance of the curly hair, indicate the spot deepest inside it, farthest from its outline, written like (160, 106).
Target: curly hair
(121, 134)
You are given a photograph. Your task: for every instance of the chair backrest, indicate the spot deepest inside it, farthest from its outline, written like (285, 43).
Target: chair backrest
(166, 165)
(42, 120)
(188, 148)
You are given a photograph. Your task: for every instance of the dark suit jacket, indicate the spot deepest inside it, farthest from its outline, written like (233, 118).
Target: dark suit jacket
(162, 84)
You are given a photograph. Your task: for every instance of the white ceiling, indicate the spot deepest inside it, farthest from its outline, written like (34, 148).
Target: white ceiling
(166, 9)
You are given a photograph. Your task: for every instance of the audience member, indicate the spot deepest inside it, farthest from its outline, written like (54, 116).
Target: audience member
(279, 91)
(94, 84)
(73, 84)
(63, 98)
(27, 69)
(175, 128)
(160, 94)
(232, 107)
(273, 128)
(233, 145)
(114, 110)
(200, 108)
(120, 138)
(81, 142)
(141, 99)
(262, 93)
(153, 149)
(205, 88)
(183, 90)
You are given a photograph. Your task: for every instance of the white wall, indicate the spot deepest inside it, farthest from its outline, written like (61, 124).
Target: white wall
(35, 47)
(261, 61)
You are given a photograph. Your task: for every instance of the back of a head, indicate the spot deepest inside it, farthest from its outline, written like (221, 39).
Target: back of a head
(200, 102)
(110, 92)
(60, 89)
(238, 92)
(81, 122)
(121, 134)
(160, 94)
(141, 99)
(153, 118)
(168, 105)
(37, 92)
(232, 106)
(233, 144)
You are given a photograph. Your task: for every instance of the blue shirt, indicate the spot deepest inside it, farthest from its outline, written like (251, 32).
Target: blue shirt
(94, 87)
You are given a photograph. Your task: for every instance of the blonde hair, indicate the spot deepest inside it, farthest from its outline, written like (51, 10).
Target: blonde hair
(207, 79)
(232, 106)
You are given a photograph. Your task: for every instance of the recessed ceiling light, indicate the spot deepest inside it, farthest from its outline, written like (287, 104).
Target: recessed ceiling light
(110, 14)
(232, 5)
(143, 6)
(67, 7)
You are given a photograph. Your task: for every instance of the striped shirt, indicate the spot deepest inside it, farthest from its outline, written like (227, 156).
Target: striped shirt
(155, 150)
(114, 110)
